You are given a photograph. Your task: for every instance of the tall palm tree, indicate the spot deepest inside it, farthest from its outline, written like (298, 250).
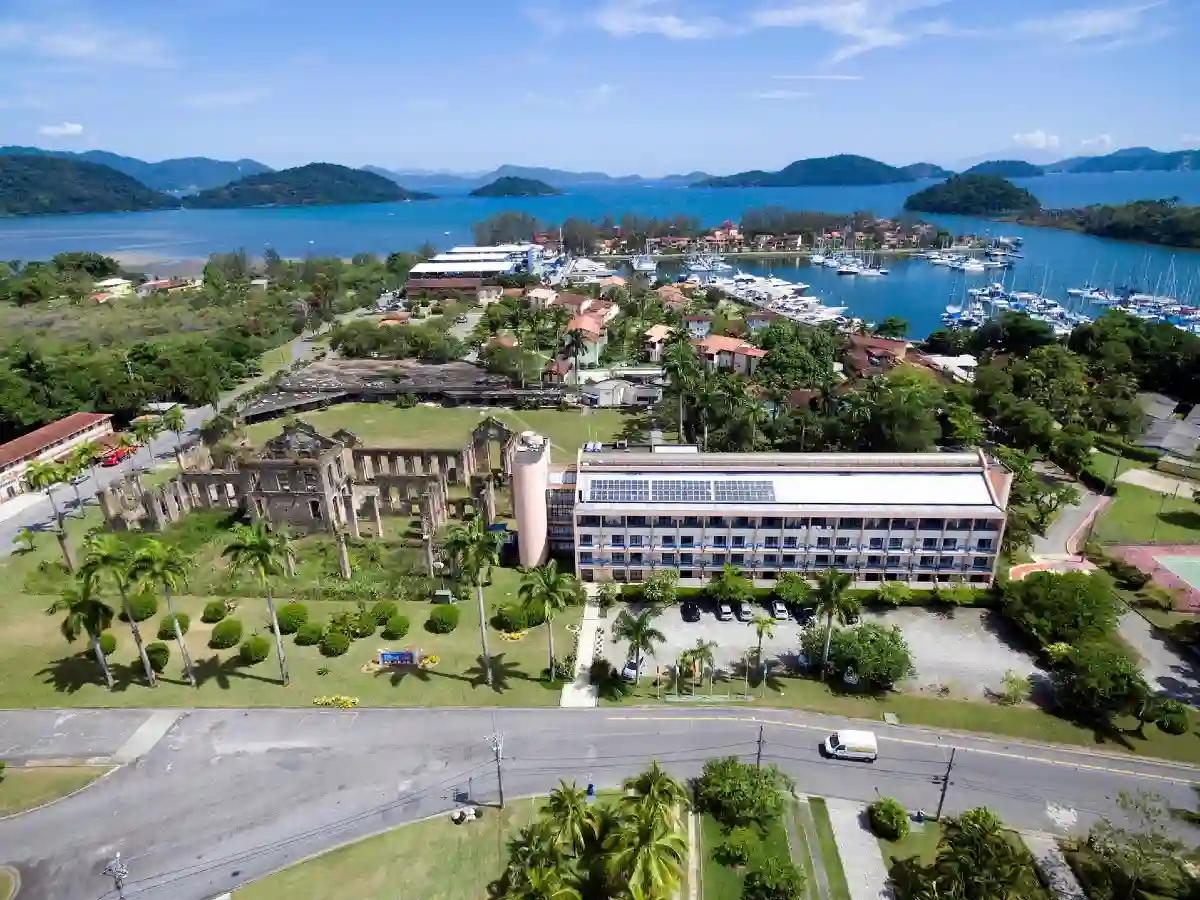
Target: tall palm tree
(656, 794)
(173, 421)
(575, 342)
(45, 477)
(646, 856)
(86, 614)
(82, 458)
(107, 554)
(156, 564)
(833, 599)
(548, 592)
(764, 626)
(639, 632)
(706, 399)
(683, 367)
(255, 548)
(703, 655)
(567, 815)
(146, 430)
(474, 550)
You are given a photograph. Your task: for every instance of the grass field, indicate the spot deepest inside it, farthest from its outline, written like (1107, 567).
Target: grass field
(1138, 516)
(6, 884)
(275, 359)
(921, 842)
(1104, 465)
(429, 427)
(22, 789)
(831, 859)
(722, 882)
(430, 860)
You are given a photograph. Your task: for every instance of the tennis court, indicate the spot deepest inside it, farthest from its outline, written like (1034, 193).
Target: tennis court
(1186, 568)
(1174, 567)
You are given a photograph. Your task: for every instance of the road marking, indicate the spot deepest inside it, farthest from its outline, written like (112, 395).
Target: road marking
(1111, 770)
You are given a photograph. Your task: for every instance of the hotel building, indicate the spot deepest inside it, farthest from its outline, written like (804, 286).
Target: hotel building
(920, 518)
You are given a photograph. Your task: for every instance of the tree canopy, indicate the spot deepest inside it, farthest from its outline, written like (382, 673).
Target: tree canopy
(973, 195)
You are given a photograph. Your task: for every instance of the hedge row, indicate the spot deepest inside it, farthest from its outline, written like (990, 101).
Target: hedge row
(983, 597)
(1129, 451)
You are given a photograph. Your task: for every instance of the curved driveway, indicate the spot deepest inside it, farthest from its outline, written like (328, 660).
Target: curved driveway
(228, 796)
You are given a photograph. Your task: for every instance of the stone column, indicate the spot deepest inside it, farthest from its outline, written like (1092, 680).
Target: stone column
(351, 513)
(378, 517)
(343, 553)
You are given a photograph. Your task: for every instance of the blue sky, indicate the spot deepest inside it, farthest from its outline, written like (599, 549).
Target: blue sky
(649, 86)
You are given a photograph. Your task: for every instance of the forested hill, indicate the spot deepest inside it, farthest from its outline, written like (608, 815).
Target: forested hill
(1006, 168)
(973, 195)
(44, 185)
(317, 184)
(193, 173)
(516, 187)
(828, 170)
(1149, 221)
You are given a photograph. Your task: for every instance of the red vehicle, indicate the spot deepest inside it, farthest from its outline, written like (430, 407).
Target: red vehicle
(115, 456)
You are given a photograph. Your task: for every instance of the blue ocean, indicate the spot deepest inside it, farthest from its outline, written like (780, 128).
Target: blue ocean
(914, 289)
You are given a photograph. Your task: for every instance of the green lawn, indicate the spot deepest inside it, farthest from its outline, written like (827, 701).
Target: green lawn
(22, 789)
(1104, 465)
(805, 863)
(721, 882)
(430, 860)
(431, 427)
(921, 842)
(276, 359)
(1138, 515)
(827, 847)
(6, 884)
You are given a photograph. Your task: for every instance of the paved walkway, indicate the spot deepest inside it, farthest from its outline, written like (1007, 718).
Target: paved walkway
(581, 693)
(1053, 866)
(1158, 482)
(1165, 669)
(862, 861)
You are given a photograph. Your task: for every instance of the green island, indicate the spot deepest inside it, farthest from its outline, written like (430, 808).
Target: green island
(193, 173)
(511, 186)
(844, 169)
(44, 185)
(316, 184)
(1165, 222)
(973, 195)
(1006, 168)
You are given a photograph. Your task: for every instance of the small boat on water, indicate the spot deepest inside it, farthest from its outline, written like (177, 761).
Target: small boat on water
(644, 264)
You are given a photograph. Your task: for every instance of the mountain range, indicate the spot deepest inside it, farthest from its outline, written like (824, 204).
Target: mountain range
(556, 178)
(173, 176)
(844, 169)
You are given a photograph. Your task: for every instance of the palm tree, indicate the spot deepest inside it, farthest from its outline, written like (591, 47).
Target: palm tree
(764, 626)
(86, 614)
(82, 458)
(646, 856)
(173, 420)
(575, 342)
(656, 794)
(107, 554)
(474, 550)
(164, 565)
(683, 367)
(567, 815)
(254, 547)
(548, 592)
(706, 398)
(639, 632)
(45, 477)
(833, 600)
(702, 655)
(146, 430)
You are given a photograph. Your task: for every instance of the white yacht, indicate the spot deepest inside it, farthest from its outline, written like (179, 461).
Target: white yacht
(644, 264)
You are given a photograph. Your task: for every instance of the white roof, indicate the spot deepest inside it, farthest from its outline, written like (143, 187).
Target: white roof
(498, 248)
(113, 282)
(466, 266)
(473, 257)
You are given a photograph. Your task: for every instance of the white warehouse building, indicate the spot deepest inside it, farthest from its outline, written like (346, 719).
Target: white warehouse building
(921, 518)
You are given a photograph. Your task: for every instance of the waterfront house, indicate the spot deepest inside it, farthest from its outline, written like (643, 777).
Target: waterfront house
(698, 326)
(655, 340)
(760, 318)
(595, 336)
(728, 354)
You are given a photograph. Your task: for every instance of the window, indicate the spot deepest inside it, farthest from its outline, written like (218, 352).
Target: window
(664, 522)
(949, 543)
(619, 576)
(904, 524)
(743, 522)
(587, 574)
(635, 540)
(772, 542)
(617, 540)
(687, 541)
(987, 525)
(772, 522)
(585, 540)
(589, 521)
(585, 556)
(685, 559)
(820, 523)
(687, 573)
(893, 561)
(822, 559)
(789, 542)
(945, 562)
(874, 560)
(737, 559)
(314, 510)
(876, 543)
(984, 543)
(310, 481)
(876, 524)
(739, 541)
(929, 544)
(842, 543)
(822, 543)
(635, 575)
(716, 522)
(980, 562)
(925, 577)
(668, 559)
(282, 479)
(841, 560)
(850, 523)
(635, 558)
(637, 521)
(958, 525)
(770, 560)
(979, 579)
(691, 521)
(718, 559)
(789, 559)
(668, 540)
(618, 559)
(718, 540)
(895, 543)
(932, 524)
(795, 523)
(927, 560)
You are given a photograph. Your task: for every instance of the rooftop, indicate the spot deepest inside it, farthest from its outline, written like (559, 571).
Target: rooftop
(36, 441)
(448, 268)
(719, 343)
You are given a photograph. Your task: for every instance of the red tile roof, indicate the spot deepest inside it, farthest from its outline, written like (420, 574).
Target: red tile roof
(36, 441)
(572, 300)
(719, 343)
(878, 345)
(586, 323)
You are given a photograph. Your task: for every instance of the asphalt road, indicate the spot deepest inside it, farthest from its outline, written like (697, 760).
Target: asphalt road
(228, 796)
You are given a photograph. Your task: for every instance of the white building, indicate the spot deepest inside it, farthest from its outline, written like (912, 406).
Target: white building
(47, 444)
(923, 518)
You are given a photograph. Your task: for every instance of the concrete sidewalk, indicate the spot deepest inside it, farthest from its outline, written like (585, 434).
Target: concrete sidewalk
(862, 860)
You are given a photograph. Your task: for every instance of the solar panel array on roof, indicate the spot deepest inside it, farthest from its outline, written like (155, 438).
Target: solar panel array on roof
(604, 490)
(681, 491)
(744, 491)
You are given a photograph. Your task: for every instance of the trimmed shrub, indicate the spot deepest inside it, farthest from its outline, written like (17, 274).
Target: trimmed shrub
(334, 643)
(362, 624)
(889, 819)
(166, 628)
(214, 611)
(773, 879)
(225, 634)
(108, 643)
(159, 655)
(384, 610)
(291, 616)
(141, 606)
(396, 627)
(309, 634)
(737, 848)
(254, 649)
(443, 619)
(511, 618)
(1173, 719)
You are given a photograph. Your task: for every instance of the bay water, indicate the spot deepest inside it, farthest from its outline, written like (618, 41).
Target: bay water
(914, 290)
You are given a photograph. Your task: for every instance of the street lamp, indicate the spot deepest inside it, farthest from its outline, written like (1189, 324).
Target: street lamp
(440, 567)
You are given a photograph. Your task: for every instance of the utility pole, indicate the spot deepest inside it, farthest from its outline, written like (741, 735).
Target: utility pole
(118, 872)
(945, 785)
(758, 756)
(496, 742)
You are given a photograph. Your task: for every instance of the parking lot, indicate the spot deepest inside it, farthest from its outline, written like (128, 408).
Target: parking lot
(966, 652)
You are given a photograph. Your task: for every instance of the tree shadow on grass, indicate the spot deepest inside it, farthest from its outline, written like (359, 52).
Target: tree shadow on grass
(397, 675)
(1182, 518)
(503, 672)
(220, 671)
(71, 674)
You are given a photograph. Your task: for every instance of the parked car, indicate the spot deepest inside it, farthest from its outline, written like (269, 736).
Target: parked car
(741, 611)
(461, 319)
(689, 611)
(630, 671)
(805, 614)
(724, 611)
(117, 455)
(852, 618)
(778, 609)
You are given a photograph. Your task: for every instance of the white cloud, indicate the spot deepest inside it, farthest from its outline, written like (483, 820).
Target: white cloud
(1098, 28)
(1036, 140)
(628, 18)
(227, 98)
(61, 130)
(819, 77)
(782, 95)
(81, 41)
(1100, 143)
(1191, 140)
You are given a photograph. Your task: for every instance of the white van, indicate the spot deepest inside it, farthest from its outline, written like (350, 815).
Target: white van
(851, 745)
